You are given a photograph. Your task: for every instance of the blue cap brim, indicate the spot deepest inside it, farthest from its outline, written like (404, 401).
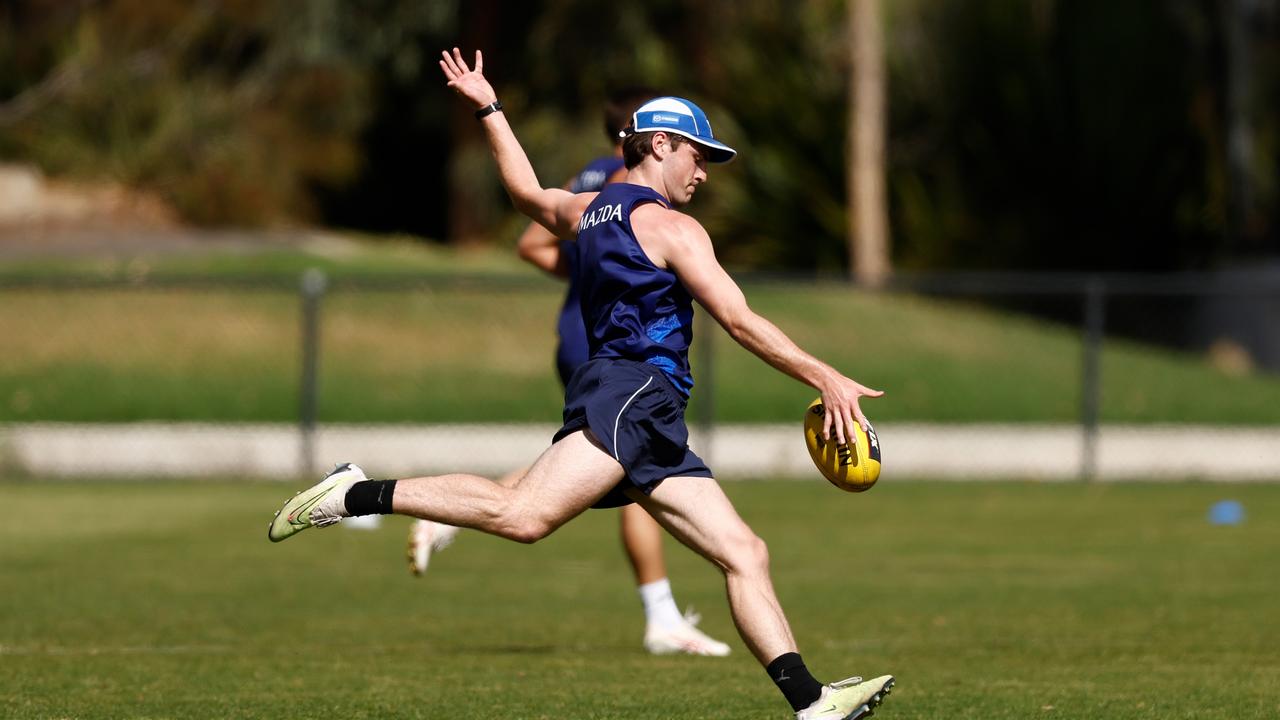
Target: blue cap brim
(716, 151)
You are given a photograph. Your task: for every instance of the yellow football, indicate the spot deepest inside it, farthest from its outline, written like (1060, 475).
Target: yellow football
(853, 467)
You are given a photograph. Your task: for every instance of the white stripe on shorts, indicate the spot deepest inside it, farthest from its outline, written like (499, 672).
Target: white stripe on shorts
(624, 409)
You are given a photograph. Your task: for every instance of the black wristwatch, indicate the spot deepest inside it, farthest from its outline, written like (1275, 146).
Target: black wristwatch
(488, 110)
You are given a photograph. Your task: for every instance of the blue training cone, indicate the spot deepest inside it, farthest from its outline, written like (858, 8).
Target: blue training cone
(1226, 512)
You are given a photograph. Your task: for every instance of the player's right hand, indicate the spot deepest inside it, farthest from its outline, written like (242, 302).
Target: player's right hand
(470, 84)
(842, 410)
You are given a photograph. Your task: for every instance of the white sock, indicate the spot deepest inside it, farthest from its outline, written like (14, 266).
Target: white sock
(659, 604)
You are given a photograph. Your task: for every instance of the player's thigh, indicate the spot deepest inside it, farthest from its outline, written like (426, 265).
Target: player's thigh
(569, 477)
(697, 512)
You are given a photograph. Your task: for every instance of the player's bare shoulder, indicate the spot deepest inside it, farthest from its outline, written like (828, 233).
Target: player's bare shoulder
(664, 233)
(569, 214)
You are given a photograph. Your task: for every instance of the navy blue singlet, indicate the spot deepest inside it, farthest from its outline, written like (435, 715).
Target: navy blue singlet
(596, 174)
(632, 308)
(573, 349)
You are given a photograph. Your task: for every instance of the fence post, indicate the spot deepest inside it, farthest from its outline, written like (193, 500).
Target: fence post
(314, 284)
(1091, 373)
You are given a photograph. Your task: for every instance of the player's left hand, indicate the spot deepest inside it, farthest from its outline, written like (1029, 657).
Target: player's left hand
(471, 84)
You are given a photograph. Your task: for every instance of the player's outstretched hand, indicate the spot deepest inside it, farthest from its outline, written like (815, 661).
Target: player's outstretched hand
(470, 84)
(842, 411)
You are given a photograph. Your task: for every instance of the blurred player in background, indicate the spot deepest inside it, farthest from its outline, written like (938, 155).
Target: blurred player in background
(666, 630)
(624, 439)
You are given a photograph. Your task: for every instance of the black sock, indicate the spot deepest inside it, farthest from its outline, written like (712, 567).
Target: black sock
(793, 679)
(371, 497)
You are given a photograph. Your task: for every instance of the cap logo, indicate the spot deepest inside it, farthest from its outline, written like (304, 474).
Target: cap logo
(659, 117)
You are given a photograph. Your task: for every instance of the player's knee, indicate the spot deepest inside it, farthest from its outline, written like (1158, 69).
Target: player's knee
(527, 529)
(759, 553)
(749, 554)
(533, 531)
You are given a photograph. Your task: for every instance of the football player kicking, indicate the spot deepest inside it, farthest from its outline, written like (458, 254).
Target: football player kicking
(641, 263)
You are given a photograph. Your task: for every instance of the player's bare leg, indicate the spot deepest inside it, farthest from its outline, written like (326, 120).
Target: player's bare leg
(696, 511)
(666, 631)
(427, 537)
(568, 478)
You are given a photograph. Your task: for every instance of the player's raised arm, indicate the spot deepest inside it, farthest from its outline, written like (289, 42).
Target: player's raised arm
(688, 252)
(553, 208)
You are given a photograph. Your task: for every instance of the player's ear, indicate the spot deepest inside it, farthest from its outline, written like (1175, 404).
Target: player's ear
(661, 145)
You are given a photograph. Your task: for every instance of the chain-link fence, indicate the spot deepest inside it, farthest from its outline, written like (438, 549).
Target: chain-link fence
(986, 375)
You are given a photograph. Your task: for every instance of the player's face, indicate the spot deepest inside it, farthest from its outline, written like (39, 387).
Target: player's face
(686, 170)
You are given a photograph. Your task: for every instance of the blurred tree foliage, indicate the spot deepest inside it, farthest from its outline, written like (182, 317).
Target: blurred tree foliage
(1064, 135)
(232, 109)
(1034, 134)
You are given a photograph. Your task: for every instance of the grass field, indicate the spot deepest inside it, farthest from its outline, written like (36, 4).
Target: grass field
(987, 601)
(337, 255)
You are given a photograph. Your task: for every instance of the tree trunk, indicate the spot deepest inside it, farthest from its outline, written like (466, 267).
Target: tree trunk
(868, 204)
(469, 209)
(1238, 41)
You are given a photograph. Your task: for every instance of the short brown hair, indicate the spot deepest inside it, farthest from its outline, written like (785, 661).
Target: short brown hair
(637, 145)
(621, 105)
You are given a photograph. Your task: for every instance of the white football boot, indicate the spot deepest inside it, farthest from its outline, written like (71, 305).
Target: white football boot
(684, 637)
(848, 699)
(426, 537)
(320, 505)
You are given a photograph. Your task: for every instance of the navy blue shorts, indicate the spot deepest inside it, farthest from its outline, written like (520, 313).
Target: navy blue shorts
(638, 415)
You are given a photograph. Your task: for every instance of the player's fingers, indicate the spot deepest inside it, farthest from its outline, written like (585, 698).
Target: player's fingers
(850, 432)
(838, 421)
(450, 67)
(872, 393)
(479, 62)
(457, 57)
(859, 417)
(826, 425)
